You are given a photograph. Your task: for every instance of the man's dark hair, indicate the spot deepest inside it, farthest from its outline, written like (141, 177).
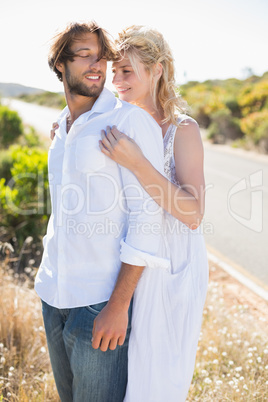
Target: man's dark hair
(60, 50)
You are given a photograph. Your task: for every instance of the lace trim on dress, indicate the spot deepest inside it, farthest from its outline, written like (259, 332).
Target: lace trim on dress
(169, 161)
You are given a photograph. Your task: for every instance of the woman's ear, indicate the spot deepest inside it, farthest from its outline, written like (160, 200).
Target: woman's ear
(158, 70)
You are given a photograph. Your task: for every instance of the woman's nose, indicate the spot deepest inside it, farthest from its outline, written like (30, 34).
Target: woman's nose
(116, 78)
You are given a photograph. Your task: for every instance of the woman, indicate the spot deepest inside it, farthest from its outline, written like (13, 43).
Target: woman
(167, 310)
(168, 305)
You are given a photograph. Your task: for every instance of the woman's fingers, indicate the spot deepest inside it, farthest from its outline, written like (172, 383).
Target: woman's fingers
(55, 126)
(111, 136)
(104, 150)
(105, 140)
(116, 133)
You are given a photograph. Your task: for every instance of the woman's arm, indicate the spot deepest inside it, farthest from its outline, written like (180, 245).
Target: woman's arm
(186, 203)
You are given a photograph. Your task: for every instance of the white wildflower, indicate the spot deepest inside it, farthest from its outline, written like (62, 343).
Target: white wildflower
(207, 380)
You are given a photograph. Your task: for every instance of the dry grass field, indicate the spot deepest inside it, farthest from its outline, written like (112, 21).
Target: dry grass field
(232, 360)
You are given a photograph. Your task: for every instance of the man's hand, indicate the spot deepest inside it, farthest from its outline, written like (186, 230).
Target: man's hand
(110, 327)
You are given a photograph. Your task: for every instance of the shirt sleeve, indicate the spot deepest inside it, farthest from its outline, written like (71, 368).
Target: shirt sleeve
(143, 242)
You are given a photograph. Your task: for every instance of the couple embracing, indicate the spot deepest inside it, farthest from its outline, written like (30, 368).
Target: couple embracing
(122, 307)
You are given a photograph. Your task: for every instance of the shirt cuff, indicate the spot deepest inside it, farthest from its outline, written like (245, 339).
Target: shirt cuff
(132, 256)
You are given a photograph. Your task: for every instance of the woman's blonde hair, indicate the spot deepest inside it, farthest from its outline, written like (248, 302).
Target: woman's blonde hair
(150, 48)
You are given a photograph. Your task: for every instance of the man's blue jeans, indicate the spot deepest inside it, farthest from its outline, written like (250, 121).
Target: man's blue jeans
(84, 374)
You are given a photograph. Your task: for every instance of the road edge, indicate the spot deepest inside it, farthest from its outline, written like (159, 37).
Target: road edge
(238, 273)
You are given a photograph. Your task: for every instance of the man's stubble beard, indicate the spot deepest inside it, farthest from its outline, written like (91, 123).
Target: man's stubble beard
(77, 87)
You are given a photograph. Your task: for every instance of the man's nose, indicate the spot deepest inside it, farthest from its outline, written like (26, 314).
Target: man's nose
(95, 63)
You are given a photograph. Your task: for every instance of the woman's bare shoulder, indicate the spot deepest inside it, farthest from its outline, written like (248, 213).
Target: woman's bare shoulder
(188, 132)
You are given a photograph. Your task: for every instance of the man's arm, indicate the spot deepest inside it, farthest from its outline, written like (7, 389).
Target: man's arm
(110, 325)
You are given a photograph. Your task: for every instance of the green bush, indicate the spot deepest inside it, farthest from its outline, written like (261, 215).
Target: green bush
(24, 199)
(30, 137)
(10, 126)
(204, 99)
(232, 104)
(255, 125)
(224, 127)
(253, 98)
(6, 163)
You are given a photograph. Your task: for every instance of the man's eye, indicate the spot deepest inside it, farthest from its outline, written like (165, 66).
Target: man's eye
(83, 55)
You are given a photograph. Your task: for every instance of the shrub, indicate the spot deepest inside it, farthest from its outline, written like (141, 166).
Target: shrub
(204, 99)
(30, 137)
(6, 163)
(10, 126)
(233, 105)
(224, 127)
(254, 98)
(255, 125)
(24, 198)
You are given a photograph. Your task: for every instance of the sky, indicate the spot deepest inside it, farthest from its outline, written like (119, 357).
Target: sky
(209, 38)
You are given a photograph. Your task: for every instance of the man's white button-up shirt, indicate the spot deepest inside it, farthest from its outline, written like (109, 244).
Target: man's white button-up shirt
(100, 214)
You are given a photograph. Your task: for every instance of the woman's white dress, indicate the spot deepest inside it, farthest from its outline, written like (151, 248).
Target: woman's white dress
(167, 311)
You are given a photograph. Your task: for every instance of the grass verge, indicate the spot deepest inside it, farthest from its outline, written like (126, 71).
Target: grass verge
(232, 358)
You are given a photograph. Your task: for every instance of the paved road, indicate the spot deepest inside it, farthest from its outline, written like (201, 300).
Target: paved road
(237, 207)
(236, 219)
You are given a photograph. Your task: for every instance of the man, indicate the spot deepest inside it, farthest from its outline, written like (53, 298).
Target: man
(103, 229)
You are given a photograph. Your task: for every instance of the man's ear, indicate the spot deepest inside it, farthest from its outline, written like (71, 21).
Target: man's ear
(60, 67)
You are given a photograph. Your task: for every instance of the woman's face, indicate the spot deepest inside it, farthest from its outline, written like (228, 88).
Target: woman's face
(129, 86)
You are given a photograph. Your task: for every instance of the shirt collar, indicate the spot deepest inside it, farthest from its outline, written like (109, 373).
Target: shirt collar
(105, 102)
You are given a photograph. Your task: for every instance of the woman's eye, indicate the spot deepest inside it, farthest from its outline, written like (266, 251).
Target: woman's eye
(126, 71)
